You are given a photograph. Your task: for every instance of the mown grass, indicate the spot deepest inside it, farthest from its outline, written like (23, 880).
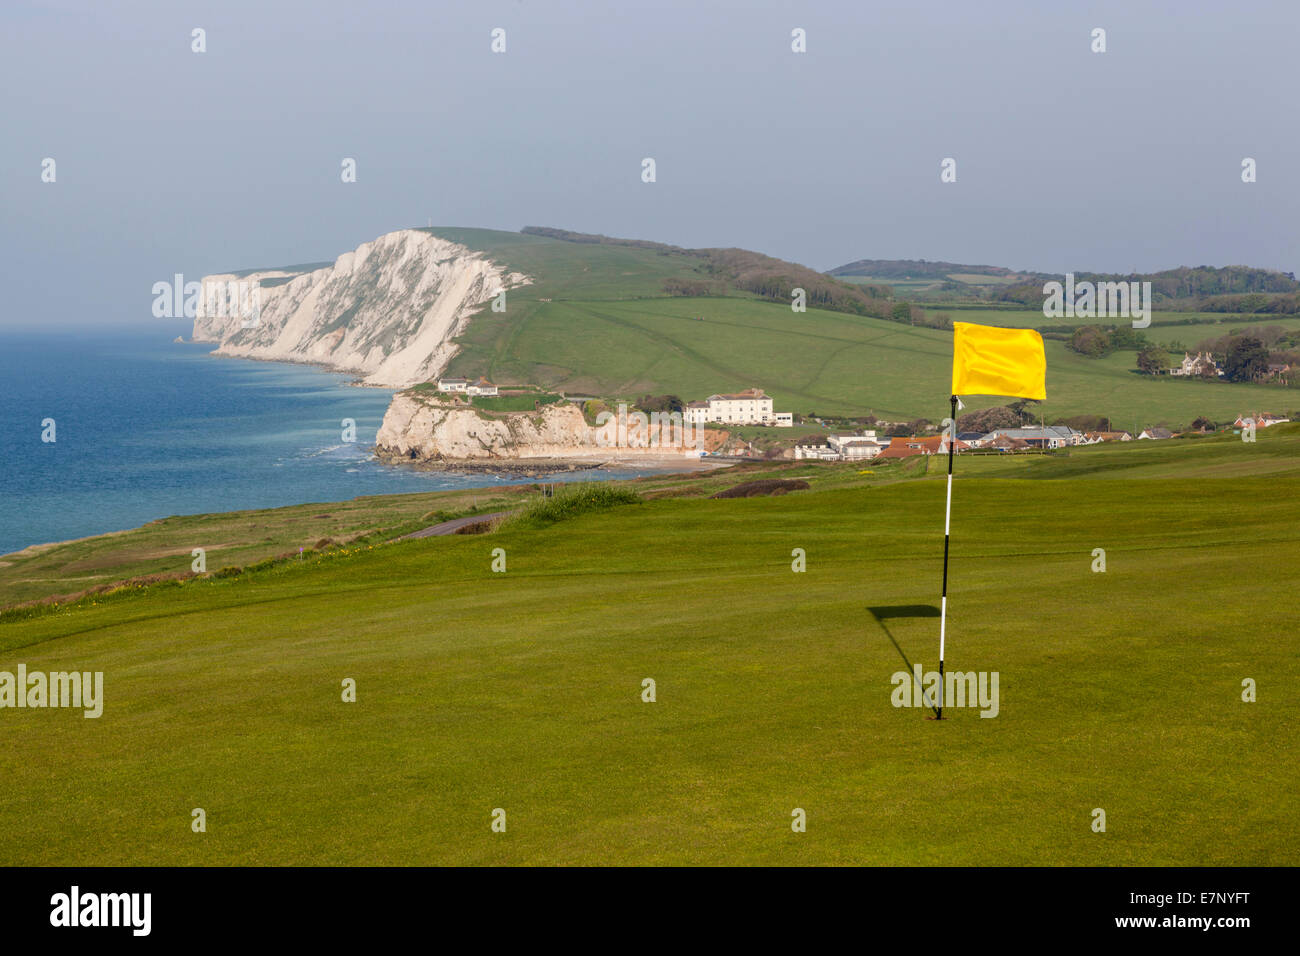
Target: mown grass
(522, 690)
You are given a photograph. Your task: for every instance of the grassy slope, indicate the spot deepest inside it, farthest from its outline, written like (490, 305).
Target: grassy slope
(231, 538)
(242, 538)
(522, 690)
(609, 330)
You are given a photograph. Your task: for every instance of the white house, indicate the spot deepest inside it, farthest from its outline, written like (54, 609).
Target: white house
(452, 384)
(1194, 366)
(750, 407)
(481, 387)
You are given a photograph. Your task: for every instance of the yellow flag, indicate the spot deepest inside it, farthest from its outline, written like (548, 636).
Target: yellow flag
(987, 360)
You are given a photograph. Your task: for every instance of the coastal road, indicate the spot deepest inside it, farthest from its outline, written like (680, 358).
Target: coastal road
(451, 527)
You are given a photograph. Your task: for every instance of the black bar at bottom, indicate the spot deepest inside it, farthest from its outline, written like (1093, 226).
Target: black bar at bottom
(371, 905)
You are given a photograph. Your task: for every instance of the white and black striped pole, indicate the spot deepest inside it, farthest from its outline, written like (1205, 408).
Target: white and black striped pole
(947, 518)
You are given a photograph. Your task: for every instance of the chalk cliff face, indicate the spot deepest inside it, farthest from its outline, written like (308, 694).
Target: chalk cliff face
(386, 312)
(420, 431)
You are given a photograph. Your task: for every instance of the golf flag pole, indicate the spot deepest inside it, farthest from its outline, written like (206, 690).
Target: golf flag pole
(947, 519)
(985, 361)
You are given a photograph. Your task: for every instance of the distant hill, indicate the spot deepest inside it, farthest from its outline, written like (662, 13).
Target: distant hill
(1187, 288)
(741, 269)
(917, 269)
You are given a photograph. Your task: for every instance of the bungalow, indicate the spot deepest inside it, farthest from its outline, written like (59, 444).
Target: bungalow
(856, 448)
(897, 449)
(452, 384)
(931, 445)
(1006, 443)
(1156, 433)
(864, 445)
(816, 452)
(1092, 438)
(1053, 436)
(840, 447)
(481, 387)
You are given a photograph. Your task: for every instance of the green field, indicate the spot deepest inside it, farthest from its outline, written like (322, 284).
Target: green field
(826, 362)
(606, 328)
(1165, 326)
(522, 690)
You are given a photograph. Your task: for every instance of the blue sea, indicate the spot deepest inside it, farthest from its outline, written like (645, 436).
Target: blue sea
(145, 427)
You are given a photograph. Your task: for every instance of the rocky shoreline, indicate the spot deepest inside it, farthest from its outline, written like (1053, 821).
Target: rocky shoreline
(540, 467)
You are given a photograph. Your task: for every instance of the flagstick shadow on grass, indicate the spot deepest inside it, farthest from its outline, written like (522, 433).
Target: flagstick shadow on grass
(884, 613)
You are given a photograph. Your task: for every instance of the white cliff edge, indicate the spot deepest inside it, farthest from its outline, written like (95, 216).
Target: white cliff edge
(415, 430)
(386, 312)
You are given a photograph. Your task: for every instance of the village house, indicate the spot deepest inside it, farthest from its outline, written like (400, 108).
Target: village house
(1053, 436)
(841, 447)
(1092, 438)
(1156, 433)
(1196, 365)
(850, 447)
(1006, 443)
(750, 407)
(931, 445)
(481, 387)
(897, 449)
(816, 449)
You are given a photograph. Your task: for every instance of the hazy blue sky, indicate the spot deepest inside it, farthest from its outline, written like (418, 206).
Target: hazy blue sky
(172, 161)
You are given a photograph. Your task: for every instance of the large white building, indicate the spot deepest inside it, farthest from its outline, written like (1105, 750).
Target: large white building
(750, 407)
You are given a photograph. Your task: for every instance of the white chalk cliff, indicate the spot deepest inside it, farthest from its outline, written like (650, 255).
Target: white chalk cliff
(432, 431)
(385, 312)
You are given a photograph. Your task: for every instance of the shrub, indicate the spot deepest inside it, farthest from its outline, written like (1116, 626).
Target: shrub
(570, 501)
(763, 487)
